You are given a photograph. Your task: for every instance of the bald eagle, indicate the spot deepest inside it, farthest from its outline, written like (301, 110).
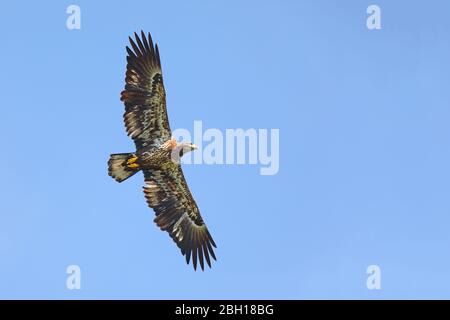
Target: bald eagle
(157, 154)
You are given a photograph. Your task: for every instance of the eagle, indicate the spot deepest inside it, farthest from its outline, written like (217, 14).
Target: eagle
(158, 155)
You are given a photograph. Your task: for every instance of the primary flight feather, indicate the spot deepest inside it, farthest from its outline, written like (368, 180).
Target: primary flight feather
(157, 154)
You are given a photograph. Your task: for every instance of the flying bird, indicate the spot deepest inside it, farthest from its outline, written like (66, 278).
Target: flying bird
(158, 155)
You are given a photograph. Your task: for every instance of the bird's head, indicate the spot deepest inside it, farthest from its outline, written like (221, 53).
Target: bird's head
(186, 147)
(179, 149)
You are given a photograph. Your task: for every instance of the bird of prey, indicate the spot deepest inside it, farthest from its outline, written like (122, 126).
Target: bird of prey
(157, 154)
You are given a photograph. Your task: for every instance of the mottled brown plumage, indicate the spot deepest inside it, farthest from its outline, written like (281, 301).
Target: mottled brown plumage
(165, 189)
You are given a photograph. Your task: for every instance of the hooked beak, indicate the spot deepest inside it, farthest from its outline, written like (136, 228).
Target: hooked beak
(194, 147)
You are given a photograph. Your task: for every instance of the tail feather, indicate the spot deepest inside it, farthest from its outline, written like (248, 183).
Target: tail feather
(117, 166)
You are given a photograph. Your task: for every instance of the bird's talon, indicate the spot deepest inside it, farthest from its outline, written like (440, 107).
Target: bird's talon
(132, 160)
(131, 163)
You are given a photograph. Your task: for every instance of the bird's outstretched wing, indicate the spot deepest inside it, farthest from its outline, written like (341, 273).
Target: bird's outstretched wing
(177, 213)
(144, 95)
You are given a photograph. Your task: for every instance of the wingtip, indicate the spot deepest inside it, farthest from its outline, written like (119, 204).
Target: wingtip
(200, 258)
(188, 256)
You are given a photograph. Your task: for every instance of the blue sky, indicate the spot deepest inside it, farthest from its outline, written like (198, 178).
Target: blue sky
(364, 149)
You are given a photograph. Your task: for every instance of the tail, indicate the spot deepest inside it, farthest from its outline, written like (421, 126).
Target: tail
(121, 166)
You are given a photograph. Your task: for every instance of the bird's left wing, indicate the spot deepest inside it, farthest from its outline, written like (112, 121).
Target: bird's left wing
(177, 213)
(144, 95)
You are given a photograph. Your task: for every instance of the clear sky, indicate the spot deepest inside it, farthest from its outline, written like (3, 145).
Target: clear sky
(364, 176)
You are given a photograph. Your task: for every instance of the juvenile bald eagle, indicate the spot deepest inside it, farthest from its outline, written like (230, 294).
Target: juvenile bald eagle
(157, 154)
